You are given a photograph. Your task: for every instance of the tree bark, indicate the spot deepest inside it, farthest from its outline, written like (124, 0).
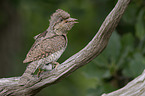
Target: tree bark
(134, 88)
(9, 86)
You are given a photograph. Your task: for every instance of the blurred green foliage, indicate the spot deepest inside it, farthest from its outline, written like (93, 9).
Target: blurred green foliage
(120, 62)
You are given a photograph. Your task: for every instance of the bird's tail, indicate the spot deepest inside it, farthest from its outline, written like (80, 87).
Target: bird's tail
(27, 75)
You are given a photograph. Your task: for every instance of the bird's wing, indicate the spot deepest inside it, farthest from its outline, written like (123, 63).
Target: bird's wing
(40, 35)
(45, 47)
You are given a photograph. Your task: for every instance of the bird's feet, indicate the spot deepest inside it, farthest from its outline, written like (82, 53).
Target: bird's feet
(55, 64)
(50, 66)
(39, 72)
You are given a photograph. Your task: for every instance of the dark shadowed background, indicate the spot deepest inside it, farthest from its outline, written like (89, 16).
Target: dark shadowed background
(120, 62)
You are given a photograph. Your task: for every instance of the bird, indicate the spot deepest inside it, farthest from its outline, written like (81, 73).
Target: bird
(48, 46)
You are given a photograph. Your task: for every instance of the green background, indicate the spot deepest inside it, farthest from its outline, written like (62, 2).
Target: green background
(120, 62)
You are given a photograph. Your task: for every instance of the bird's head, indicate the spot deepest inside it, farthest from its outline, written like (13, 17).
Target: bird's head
(61, 22)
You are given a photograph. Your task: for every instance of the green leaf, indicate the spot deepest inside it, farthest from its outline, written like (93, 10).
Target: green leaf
(130, 14)
(113, 49)
(105, 64)
(95, 71)
(140, 26)
(135, 66)
(127, 40)
(100, 89)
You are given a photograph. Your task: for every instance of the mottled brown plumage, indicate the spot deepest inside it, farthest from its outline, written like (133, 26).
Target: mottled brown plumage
(46, 47)
(49, 45)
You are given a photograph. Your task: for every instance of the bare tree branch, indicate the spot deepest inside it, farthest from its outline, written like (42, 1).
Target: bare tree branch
(9, 86)
(133, 88)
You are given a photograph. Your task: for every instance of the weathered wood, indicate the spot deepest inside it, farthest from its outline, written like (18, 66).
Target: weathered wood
(9, 86)
(134, 88)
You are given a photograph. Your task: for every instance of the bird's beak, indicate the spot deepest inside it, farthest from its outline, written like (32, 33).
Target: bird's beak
(72, 20)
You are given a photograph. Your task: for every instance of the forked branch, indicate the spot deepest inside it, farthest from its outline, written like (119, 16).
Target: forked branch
(9, 86)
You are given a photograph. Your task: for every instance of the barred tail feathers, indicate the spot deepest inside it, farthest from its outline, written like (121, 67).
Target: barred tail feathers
(27, 75)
